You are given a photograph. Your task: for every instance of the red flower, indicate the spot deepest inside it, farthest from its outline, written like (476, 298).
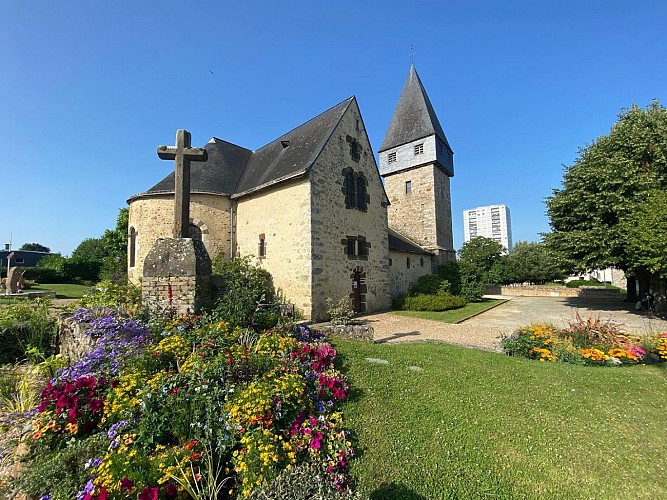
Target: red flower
(174, 390)
(96, 404)
(126, 484)
(170, 490)
(195, 456)
(148, 494)
(190, 445)
(103, 494)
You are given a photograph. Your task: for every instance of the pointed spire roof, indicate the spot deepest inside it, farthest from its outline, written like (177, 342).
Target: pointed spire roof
(414, 117)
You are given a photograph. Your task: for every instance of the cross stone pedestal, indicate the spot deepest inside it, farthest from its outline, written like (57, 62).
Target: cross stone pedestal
(177, 277)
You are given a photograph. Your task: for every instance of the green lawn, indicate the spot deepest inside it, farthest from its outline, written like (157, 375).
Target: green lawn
(440, 421)
(454, 315)
(63, 290)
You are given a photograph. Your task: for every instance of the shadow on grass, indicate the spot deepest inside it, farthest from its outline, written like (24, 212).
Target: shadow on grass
(395, 492)
(395, 336)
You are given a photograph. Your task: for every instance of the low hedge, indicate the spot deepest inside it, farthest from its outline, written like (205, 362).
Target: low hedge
(432, 302)
(44, 275)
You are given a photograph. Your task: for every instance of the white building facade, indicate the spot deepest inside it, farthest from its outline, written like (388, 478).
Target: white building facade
(492, 221)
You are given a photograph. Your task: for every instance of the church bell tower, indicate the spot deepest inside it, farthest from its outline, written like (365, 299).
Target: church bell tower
(416, 163)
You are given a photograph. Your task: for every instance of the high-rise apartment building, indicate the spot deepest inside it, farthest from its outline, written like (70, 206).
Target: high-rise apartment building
(492, 221)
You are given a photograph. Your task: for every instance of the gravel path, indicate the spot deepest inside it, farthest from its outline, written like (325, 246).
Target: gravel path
(394, 328)
(485, 330)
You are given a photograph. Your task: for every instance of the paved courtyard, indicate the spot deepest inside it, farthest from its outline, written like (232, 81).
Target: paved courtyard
(484, 331)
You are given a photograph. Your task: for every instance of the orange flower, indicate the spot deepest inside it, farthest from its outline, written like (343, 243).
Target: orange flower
(188, 446)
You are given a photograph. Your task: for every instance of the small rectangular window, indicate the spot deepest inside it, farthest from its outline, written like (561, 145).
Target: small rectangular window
(391, 157)
(351, 247)
(18, 260)
(408, 262)
(419, 148)
(408, 187)
(262, 246)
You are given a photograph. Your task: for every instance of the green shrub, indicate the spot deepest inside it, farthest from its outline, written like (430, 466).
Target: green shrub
(109, 294)
(26, 327)
(245, 284)
(44, 275)
(451, 272)
(428, 284)
(435, 302)
(472, 290)
(61, 473)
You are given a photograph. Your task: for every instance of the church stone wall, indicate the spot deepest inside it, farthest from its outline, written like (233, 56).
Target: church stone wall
(153, 217)
(282, 215)
(424, 214)
(400, 276)
(333, 269)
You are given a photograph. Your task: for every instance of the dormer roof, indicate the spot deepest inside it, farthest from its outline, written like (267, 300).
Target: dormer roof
(414, 117)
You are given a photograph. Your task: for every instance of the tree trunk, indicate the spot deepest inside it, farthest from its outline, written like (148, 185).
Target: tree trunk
(631, 289)
(644, 280)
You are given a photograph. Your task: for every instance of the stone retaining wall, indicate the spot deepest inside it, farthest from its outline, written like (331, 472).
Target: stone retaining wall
(72, 338)
(589, 292)
(354, 331)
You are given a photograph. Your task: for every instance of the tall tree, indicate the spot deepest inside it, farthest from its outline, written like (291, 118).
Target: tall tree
(647, 233)
(605, 185)
(529, 262)
(477, 264)
(114, 243)
(35, 247)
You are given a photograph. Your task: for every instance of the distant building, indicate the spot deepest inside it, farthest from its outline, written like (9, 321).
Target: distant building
(21, 258)
(492, 221)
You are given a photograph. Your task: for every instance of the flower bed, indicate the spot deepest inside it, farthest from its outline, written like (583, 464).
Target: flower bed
(188, 408)
(590, 342)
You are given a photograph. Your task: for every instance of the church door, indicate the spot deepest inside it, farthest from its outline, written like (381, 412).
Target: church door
(358, 294)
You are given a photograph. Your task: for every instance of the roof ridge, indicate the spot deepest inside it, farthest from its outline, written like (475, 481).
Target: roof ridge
(273, 172)
(302, 124)
(217, 139)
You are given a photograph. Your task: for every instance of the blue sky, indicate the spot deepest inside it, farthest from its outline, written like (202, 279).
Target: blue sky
(88, 90)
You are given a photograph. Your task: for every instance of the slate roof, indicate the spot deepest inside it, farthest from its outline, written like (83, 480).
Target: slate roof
(400, 243)
(232, 170)
(292, 154)
(414, 117)
(218, 175)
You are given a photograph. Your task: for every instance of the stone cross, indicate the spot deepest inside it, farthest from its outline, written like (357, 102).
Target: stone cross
(182, 154)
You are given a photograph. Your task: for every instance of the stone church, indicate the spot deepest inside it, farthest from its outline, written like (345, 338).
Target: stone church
(314, 208)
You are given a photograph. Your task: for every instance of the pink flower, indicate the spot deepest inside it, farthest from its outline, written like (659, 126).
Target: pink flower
(126, 484)
(103, 494)
(315, 441)
(637, 351)
(148, 494)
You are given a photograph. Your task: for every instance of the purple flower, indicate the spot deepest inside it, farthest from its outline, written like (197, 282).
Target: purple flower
(116, 339)
(88, 488)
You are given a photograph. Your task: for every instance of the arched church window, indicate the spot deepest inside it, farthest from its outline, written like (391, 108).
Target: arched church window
(133, 247)
(194, 232)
